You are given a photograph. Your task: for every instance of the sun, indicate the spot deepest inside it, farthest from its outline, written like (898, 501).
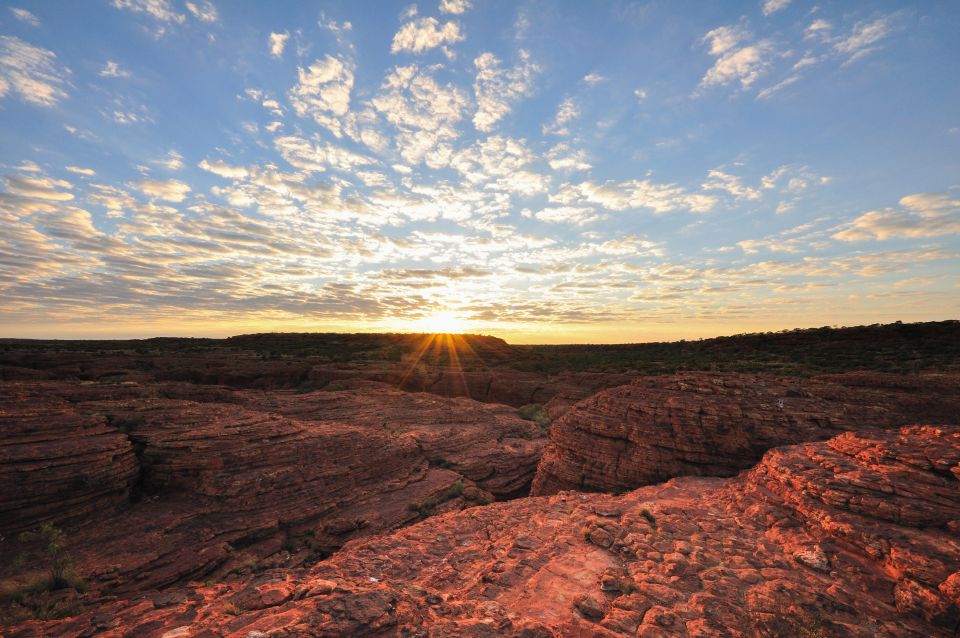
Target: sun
(446, 322)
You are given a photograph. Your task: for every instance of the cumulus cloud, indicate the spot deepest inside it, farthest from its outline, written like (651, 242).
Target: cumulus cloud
(170, 190)
(31, 72)
(43, 188)
(568, 111)
(88, 172)
(863, 38)
(719, 180)
(25, 16)
(455, 7)
(634, 194)
(278, 42)
(222, 169)
(575, 215)
(920, 215)
(112, 70)
(497, 89)
(772, 6)
(318, 156)
(424, 34)
(203, 11)
(323, 92)
(563, 158)
(172, 161)
(160, 10)
(735, 60)
(424, 112)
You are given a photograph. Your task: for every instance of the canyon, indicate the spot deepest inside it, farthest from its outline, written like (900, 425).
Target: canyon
(377, 485)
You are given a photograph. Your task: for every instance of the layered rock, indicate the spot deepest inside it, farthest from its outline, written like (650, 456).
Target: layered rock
(855, 537)
(56, 463)
(171, 489)
(489, 446)
(717, 424)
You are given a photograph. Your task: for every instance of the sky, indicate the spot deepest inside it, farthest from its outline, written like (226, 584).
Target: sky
(547, 172)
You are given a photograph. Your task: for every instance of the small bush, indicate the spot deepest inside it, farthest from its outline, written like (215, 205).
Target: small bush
(536, 413)
(53, 540)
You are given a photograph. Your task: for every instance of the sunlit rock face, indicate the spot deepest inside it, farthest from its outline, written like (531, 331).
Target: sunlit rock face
(855, 536)
(159, 484)
(707, 424)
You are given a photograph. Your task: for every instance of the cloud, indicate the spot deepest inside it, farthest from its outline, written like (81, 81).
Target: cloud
(455, 7)
(170, 190)
(203, 11)
(25, 16)
(562, 158)
(222, 169)
(81, 171)
(863, 38)
(496, 156)
(719, 180)
(112, 70)
(568, 111)
(278, 41)
(318, 157)
(576, 215)
(735, 63)
(323, 92)
(43, 188)
(496, 89)
(920, 215)
(424, 112)
(160, 10)
(634, 194)
(772, 6)
(594, 79)
(819, 29)
(173, 161)
(424, 34)
(31, 72)
(770, 91)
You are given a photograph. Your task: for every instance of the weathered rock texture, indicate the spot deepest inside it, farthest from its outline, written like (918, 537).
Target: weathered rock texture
(56, 463)
(717, 424)
(856, 537)
(155, 488)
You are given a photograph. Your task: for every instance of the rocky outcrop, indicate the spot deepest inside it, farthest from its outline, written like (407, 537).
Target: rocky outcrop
(56, 463)
(154, 489)
(489, 446)
(855, 537)
(717, 424)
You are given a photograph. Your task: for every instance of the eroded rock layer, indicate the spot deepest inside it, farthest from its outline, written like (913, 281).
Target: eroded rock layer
(857, 536)
(160, 484)
(707, 424)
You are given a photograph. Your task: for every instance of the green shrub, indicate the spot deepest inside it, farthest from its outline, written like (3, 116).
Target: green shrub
(536, 413)
(53, 540)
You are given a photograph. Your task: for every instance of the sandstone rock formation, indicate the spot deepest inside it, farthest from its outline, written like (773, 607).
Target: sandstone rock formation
(857, 536)
(716, 424)
(160, 484)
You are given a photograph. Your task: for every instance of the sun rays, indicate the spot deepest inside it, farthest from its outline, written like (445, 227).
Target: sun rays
(450, 351)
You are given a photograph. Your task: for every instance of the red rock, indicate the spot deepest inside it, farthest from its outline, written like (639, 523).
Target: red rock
(724, 560)
(717, 424)
(241, 479)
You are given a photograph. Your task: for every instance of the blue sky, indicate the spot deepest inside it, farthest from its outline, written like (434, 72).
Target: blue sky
(547, 172)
